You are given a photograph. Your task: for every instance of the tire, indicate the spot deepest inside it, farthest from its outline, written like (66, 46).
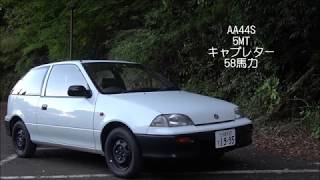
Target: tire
(21, 140)
(122, 153)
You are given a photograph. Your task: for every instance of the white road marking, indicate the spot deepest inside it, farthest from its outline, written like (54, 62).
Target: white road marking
(7, 159)
(57, 176)
(47, 148)
(231, 172)
(14, 156)
(271, 171)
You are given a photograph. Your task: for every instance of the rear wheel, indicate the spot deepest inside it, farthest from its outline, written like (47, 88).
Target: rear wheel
(122, 153)
(21, 140)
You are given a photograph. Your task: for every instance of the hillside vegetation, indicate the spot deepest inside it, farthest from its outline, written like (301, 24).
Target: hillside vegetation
(173, 37)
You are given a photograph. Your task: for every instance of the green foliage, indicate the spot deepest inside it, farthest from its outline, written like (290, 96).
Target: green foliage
(172, 37)
(312, 119)
(268, 94)
(129, 43)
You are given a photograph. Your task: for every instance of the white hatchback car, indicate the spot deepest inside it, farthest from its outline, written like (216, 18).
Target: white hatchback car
(121, 110)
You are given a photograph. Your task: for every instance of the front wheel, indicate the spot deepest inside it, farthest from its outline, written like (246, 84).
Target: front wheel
(122, 153)
(21, 140)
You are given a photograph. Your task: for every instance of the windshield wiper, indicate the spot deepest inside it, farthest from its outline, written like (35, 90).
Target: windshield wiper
(115, 92)
(143, 90)
(171, 88)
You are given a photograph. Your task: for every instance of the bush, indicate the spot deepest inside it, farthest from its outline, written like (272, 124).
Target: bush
(312, 119)
(133, 46)
(268, 95)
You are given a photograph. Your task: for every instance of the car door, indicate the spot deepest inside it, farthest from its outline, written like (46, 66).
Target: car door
(64, 119)
(25, 96)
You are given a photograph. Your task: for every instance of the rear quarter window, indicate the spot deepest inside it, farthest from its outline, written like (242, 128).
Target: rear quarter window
(31, 83)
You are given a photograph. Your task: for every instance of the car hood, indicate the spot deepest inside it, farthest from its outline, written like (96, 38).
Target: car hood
(201, 109)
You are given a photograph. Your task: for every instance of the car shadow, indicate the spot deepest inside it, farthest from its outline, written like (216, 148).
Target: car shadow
(191, 165)
(159, 167)
(69, 156)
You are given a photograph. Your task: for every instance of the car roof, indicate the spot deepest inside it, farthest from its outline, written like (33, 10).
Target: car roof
(85, 61)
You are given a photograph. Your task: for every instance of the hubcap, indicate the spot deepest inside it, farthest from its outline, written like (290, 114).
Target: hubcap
(121, 153)
(20, 139)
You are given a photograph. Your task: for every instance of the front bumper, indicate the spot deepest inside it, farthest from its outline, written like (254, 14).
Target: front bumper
(202, 144)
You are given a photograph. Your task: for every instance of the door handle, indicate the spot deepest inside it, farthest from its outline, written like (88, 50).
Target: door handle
(44, 107)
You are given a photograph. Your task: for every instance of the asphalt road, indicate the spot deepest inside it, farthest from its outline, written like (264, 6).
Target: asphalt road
(245, 163)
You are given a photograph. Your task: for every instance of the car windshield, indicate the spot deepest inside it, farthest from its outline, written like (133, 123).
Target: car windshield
(112, 78)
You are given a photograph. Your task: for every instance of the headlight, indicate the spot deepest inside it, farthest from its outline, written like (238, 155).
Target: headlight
(171, 120)
(238, 112)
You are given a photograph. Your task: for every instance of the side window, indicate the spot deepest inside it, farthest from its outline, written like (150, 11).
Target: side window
(31, 83)
(62, 77)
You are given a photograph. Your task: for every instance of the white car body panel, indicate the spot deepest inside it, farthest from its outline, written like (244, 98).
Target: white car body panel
(63, 124)
(199, 108)
(78, 122)
(25, 108)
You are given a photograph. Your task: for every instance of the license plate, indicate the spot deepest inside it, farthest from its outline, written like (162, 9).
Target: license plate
(225, 138)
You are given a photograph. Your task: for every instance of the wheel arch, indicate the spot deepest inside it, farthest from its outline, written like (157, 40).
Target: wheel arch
(12, 122)
(108, 128)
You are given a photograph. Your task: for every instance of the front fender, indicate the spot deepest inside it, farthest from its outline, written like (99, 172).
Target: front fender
(109, 109)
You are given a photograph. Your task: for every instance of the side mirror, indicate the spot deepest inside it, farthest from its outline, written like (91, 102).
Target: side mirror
(79, 91)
